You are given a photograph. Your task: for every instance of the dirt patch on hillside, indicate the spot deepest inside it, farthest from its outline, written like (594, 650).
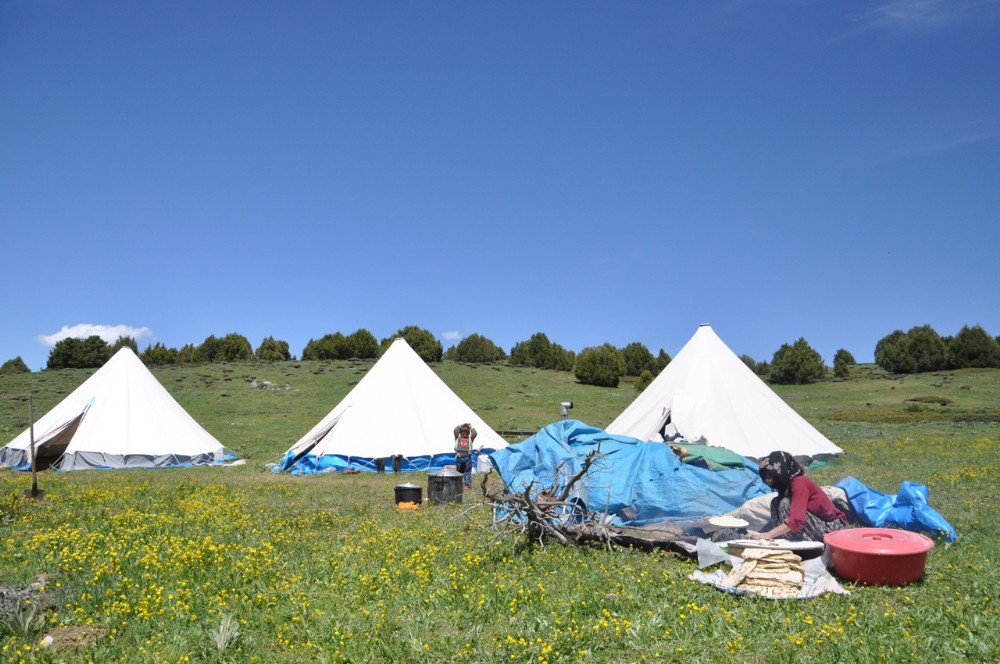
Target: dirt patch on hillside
(82, 636)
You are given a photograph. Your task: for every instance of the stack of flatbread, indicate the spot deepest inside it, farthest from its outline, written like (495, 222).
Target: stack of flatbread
(767, 572)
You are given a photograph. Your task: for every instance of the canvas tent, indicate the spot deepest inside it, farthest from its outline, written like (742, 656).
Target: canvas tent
(400, 408)
(120, 417)
(708, 392)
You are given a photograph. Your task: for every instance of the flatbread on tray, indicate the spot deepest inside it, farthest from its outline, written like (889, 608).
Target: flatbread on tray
(738, 574)
(773, 592)
(791, 576)
(769, 554)
(728, 522)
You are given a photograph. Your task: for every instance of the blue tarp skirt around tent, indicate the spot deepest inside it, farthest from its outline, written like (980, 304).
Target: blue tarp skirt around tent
(127, 462)
(310, 464)
(636, 482)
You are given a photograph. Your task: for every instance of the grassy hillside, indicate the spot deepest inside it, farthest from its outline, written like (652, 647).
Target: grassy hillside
(324, 568)
(259, 424)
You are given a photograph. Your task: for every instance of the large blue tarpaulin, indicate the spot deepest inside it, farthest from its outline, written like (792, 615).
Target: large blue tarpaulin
(907, 509)
(636, 482)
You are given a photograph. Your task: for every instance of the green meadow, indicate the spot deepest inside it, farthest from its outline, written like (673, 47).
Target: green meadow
(239, 564)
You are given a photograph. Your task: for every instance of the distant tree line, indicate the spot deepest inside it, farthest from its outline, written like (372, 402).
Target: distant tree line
(919, 349)
(93, 351)
(360, 344)
(602, 365)
(232, 347)
(923, 349)
(86, 353)
(799, 363)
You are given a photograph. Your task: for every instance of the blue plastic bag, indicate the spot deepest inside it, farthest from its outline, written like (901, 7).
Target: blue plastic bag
(907, 509)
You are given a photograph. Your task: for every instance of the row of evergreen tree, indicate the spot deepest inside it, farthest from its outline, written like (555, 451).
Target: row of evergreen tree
(93, 351)
(923, 349)
(919, 349)
(799, 363)
(602, 365)
(361, 344)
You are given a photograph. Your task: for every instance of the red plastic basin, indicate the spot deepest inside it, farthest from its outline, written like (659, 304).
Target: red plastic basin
(879, 556)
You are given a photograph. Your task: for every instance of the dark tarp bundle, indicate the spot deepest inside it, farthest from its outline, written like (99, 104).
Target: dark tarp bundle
(634, 481)
(907, 509)
(713, 458)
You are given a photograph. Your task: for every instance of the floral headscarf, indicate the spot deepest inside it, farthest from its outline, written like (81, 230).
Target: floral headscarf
(777, 471)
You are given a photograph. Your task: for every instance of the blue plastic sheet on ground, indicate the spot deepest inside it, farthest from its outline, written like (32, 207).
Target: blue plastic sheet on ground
(907, 509)
(636, 482)
(310, 464)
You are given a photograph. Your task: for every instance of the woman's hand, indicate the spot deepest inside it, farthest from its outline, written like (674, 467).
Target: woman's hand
(778, 531)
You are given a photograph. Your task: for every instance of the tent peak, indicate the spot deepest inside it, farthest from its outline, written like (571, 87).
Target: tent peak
(710, 393)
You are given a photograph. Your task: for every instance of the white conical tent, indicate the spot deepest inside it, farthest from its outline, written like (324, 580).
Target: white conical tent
(708, 392)
(120, 417)
(400, 407)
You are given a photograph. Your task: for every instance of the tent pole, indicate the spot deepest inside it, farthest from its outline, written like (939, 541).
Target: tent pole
(31, 426)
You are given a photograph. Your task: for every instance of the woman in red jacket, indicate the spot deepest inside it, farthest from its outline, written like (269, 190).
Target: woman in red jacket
(801, 511)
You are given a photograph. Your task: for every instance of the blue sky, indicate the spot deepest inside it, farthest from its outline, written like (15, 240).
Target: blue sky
(597, 171)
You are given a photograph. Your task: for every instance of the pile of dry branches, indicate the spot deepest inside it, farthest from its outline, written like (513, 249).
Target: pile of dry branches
(537, 514)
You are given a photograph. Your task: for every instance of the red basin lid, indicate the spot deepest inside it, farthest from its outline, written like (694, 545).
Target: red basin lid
(879, 541)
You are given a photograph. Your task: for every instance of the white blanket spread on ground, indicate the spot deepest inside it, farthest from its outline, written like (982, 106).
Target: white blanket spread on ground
(817, 580)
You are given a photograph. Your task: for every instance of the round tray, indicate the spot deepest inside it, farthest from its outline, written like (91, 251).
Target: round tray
(804, 550)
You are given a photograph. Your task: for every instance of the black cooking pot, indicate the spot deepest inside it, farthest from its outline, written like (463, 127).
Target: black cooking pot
(409, 493)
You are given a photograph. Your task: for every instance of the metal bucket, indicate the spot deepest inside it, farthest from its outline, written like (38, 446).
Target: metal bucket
(409, 493)
(444, 486)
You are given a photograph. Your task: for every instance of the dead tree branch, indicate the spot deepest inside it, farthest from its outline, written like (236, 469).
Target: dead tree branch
(540, 513)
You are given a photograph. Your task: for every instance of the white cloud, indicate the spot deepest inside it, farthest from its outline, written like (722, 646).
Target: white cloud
(910, 16)
(451, 335)
(930, 148)
(109, 333)
(950, 145)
